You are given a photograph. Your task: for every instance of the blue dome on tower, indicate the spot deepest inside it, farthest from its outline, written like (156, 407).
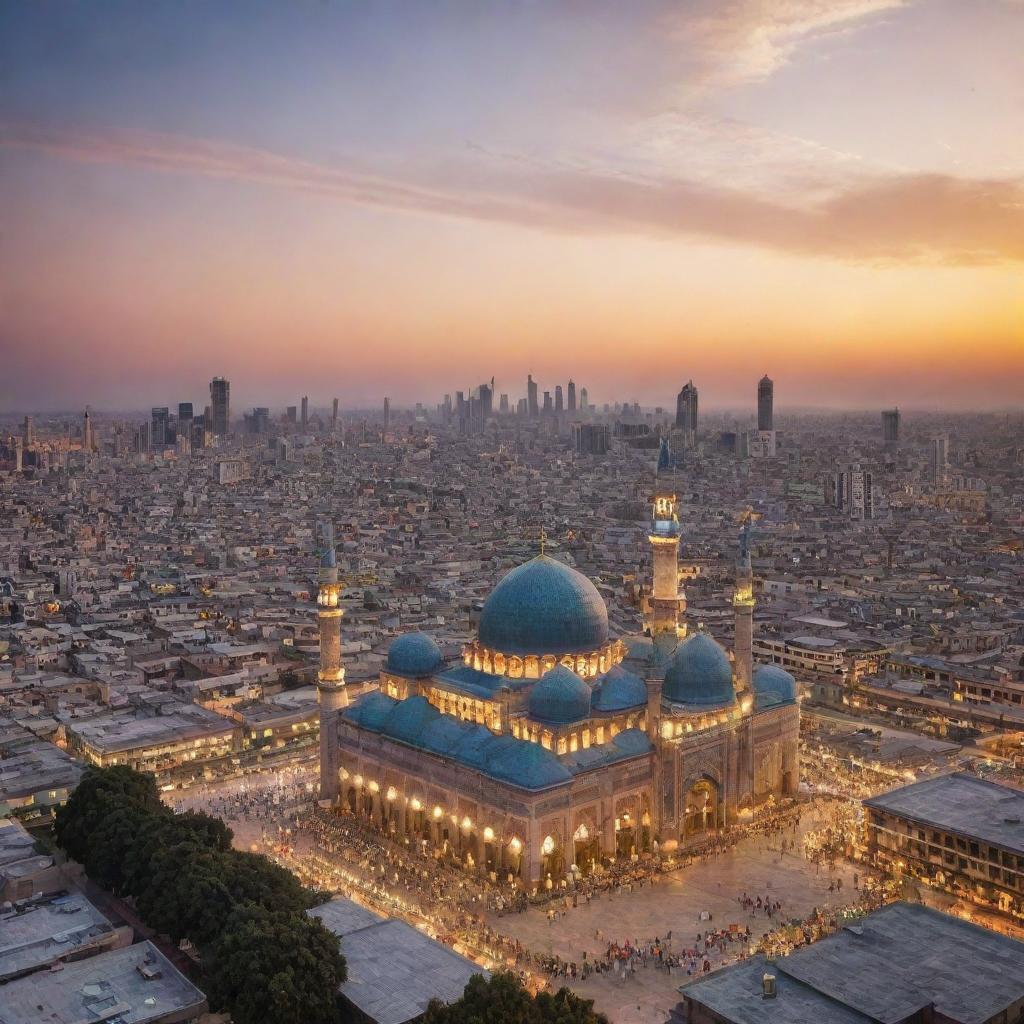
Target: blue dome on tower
(773, 687)
(414, 654)
(699, 675)
(560, 697)
(544, 607)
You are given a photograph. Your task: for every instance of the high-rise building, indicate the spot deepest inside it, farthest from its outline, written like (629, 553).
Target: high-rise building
(503, 405)
(572, 396)
(765, 403)
(201, 437)
(559, 408)
(891, 426)
(292, 414)
(88, 437)
(851, 490)
(686, 408)
(305, 412)
(158, 428)
(531, 397)
(484, 403)
(584, 402)
(387, 412)
(220, 406)
(261, 420)
(548, 406)
(26, 433)
(939, 458)
(334, 416)
(591, 438)
(185, 420)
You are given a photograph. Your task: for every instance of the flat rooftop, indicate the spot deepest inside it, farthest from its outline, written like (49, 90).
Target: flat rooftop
(987, 811)
(49, 930)
(118, 732)
(110, 984)
(885, 967)
(394, 970)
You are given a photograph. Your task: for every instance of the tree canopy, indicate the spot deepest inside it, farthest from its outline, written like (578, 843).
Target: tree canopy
(263, 958)
(501, 999)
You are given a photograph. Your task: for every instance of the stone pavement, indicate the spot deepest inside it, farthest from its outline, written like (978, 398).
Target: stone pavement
(755, 866)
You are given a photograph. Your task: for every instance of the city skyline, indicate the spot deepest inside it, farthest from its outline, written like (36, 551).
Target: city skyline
(829, 192)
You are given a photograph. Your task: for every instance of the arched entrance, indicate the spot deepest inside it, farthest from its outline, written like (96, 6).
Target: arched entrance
(552, 858)
(701, 808)
(586, 849)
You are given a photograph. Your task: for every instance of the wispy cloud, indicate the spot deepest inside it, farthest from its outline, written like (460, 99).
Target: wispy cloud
(867, 216)
(747, 40)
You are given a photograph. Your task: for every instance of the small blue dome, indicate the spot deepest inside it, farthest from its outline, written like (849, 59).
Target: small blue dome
(414, 654)
(618, 690)
(371, 710)
(773, 687)
(544, 607)
(528, 765)
(699, 674)
(560, 697)
(632, 741)
(408, 718)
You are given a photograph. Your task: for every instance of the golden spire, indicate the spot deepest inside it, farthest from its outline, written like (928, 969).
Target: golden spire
(543, 539)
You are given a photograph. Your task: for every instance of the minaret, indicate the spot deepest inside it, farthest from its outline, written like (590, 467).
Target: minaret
(743, 605)
(667, 601)
(331, 677)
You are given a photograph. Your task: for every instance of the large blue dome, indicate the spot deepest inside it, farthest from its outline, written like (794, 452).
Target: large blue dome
(699, 675)
(414, 654)
(544, 607)
(773, 687)
(560, 697)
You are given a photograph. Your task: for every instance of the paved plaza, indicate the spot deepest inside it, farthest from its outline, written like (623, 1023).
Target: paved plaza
(674, 904)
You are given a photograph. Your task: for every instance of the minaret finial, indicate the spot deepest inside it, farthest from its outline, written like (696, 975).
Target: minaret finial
(543, 539)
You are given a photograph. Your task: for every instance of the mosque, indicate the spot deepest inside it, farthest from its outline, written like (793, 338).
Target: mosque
(551, 745)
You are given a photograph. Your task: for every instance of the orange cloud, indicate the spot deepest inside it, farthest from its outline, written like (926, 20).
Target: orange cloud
(911, 218)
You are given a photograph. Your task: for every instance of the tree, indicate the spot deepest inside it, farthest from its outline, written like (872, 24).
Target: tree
(501, 999)
(273, 967)
(98, 793)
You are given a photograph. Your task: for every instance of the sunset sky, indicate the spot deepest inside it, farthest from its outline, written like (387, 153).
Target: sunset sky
(361, 198)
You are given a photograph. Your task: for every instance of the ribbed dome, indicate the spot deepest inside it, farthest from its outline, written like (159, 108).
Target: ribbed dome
(773, 687)
(544, 607)
(371, 710)
(618, 690)
(414, 654)
(560, 697)
(699, 674)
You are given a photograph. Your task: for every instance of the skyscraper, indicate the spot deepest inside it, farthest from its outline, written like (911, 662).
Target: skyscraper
(88, 438)
(305, 411)
(686, 408)
(185, 420)
(26, 433)
(939, 457)
(559, 408)
(765, 403)
(158, 428)
(548, 407)
(572, 396)
(531, 397)
(387, 412)
(503, 405)
(220, 406)
(334, 416)
(891, 426)
(584, 403)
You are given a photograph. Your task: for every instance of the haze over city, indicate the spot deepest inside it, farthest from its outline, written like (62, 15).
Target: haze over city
(406, 199)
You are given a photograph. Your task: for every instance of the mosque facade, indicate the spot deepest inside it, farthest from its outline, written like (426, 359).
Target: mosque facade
(551, 746)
